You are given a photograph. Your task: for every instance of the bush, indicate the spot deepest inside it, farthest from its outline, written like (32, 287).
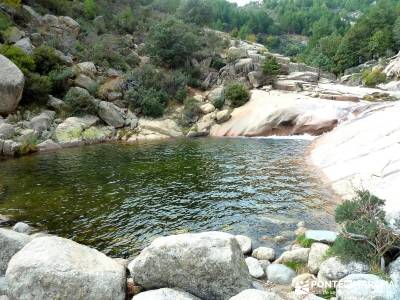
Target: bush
(299, 267)
(37, 88)
(171, 42)
(374, 77)
(303, 241)
(237, 94)
(271, 67)
(219, 103)
(46, 59)
(5, 22)
(365, 234)
(153, 103)
(191, 112)
(22, 60)
(79, 102)
(60, 79)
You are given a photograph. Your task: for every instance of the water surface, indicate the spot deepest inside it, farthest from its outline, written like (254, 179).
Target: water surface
(117, 198)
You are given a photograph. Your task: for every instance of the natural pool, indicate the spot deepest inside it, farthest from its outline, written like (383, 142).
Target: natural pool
(118, 197)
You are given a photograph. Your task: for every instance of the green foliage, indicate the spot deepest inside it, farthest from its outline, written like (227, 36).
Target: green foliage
(14, 3)
(61, 79)
(303, 241)
(28, 145)
(152, 103)
(79, 102)
(126, 20)
(372, 78)
(199, 12)
(22, 60)
(365, 234)
(219, 102)
(237, 94)
(191, 112)
(396, 33)
(5, 22)
(89, 8)
(37, 88)
(299, 267)
(329, 293)
(271, 68)
(46, 59)
(171, 42)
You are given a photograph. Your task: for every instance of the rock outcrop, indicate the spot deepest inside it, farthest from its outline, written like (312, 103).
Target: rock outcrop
(10, 243)
(57, 268)
(11, 85)
(363, 153)
(208, 265)
(280, 113)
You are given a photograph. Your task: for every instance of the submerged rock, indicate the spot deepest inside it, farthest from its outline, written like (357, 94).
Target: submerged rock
(208, 265)
(57, 268)
(10, 243)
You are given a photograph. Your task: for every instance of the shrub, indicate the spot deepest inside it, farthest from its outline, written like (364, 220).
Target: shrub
(79, 102)
(374, 77)
(46, 59)
(219, 102)
(153, 103)
(28, 145)
(365, 234)
(60, 79)
(37, 88)
(22, 60)
(191, 112)
(174, 84)
(5, 21)
(171, 42)
(271, 67)
(237, 94)
(299, 267)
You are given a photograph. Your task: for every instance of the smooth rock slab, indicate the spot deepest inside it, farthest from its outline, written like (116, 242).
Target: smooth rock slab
(165, 294)
(254, 267)
(57, 268)
(10, 243)
(323, 236)
(280, 274)
(366, 286)
(208, 265)
(253, 294)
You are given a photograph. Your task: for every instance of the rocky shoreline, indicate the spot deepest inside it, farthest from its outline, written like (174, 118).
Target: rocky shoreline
(207, 265)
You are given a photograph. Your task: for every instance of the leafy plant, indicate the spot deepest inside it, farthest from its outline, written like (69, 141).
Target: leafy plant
(46, 59)
(37, 88)
(79, 102)
(22, 60)
(374, 77)
(303, 241)
(219, 102)
(271, 67)
(237, 94)
(60, 79)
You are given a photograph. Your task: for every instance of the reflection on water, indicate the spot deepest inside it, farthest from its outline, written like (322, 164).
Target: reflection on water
(117, 198)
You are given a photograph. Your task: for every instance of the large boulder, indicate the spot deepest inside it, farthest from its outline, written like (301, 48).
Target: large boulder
(42, 121)
(208, 265)
(111, 114)
(366, 286)
(11, 85)
(165, 294)
(280, 113)
(253, 294)
(280, 274)
(10, 243)
(57, 268)
(393, 68)
(334, 269)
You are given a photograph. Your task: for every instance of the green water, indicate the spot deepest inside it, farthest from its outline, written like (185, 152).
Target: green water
(117, 198)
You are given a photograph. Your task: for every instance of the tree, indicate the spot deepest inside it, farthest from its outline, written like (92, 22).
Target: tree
(379, 43)
(396, 33)
(199, 12)
(271, 68)
(171, 42)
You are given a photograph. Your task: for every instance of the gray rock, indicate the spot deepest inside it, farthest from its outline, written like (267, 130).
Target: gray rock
(10, 243)
(280, 274)
(56, 103)
(48, 145)
(207, 108)
(11, 85)
(254, 267)
(165, 127)
(25, 45)
(10, 148)
(84, 81)
(323, 236)
(316, 256)
(264, 253)
(303, 281)
(334, 269)
(57, 268)
(244, 243)
(256, 78)
(7, 131)
(43, 121)
(394, 271)
(244, 65)
(208, 265)
(223, 116)
(297, 255)
(165, 294)
(22, 227)
(215, 94)
(253, 294)
(264, 265)
(87, 68)
(72, 129)
(366, 286)
(111, 114)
